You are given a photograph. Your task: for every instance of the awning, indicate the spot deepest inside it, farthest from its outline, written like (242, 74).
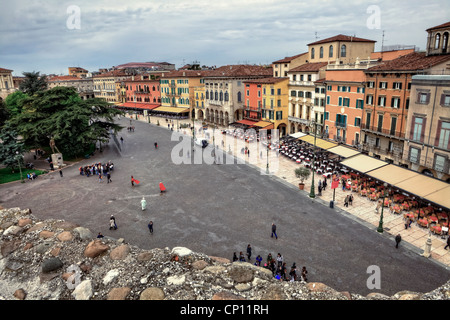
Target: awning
(247, 122)
(297, 135)
(172, 109)
(440, 197)
(423, 186)
(343, 151)
(392, 174)
(363, 163)
(263, 124)
(320, 143)
(136, 105)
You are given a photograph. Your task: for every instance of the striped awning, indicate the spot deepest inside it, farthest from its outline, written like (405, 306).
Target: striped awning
(172, 109)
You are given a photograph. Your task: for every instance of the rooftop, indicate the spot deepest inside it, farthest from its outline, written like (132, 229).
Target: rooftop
(411, 62)
(341, 37)
(270, 80)
(309, 67)
(289, 59)
(240, 70)
(444, 25)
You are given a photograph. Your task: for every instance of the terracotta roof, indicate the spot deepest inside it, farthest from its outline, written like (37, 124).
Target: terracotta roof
(410, 62)
(289, 59)
(267, 80)
(309, 67)
(341, 37)
(240, 70)
(113, 73)
(185, 74)
(3, 69)
(444, 25)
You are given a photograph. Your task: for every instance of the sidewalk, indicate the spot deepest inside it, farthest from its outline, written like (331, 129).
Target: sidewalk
(362, 207)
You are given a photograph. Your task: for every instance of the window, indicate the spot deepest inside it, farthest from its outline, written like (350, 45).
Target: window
(278, 103)
(382, 101)
(279, 115)
(330, 88)
(343, 51)
(346, 102)
(397, 86)
(239, 97)
(380, 123)
(313, 53)
(383, 85)
(437, 41)
(309, 77)
(443, 135)
(360, 104)
(395, 103)
(293, 93)
(330, 52)
(445, 100)
(321, 52)
(393, 126)
(414, 155)
(357, 122)
(279, 92)
(423, 98)
(418, 125)
(440, 163)
(369, 100)
(272, 92)
(371, 84)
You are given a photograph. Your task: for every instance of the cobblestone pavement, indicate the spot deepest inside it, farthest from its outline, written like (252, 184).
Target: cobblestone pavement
(219, 209)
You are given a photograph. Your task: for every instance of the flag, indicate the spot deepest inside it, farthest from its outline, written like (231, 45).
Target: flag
(335, 183)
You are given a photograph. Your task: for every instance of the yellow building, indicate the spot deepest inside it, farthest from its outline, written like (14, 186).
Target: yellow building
(6, 83)
(178, 92)
(108, 86)
(199, 99)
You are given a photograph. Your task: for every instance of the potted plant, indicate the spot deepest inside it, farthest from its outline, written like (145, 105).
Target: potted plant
(302, 173)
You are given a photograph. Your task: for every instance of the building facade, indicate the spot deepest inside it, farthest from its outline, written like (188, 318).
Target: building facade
(6, 83)
(84, 86)
(438, 37)
(108, 86)
(427, 147)
(283, 66)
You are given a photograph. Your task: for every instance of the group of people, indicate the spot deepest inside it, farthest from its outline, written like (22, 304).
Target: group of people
(277, 265)
(99, 169)
(31, 176)
(322, 185)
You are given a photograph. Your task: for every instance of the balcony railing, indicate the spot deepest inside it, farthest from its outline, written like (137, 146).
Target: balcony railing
(385, 132)
(341, 124)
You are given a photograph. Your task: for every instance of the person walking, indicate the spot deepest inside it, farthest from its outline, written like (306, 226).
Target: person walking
(346, 201)
(350, 199)
(398, 238)
(241, 257)
(279, 260)
(156, 145)
(108, 176)
(112, 223)
(378, 206)
(235, 258)
(258, 260)
(274, 231)
(448, 243)
(304, 273)
(150, 227)
(249, 252)
(143, 204)
(121, 140)
(60, 173)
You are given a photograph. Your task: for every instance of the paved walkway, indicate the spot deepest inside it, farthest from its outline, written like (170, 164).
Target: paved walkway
(362, 207)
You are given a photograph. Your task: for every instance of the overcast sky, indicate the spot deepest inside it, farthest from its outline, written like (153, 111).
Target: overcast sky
(38, 35)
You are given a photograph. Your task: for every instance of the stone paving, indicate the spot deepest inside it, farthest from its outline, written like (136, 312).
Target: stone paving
(362, 207)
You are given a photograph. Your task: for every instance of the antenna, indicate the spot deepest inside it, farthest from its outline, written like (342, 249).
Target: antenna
(315, 33)
(382, 46)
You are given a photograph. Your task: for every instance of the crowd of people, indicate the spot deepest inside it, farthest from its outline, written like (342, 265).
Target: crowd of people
(276, 264)
(98, 169)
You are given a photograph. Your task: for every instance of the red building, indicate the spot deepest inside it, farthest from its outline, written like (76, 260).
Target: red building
(141, 92)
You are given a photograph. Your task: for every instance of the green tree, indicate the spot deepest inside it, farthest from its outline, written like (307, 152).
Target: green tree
(11, 150)
(4, 114)
(33, 83)
(75, 124)
(14, 103)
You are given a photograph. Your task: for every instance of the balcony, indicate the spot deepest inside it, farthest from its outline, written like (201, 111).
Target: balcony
(341, 125)
(383, 132)
(141, 92)
(299, 120)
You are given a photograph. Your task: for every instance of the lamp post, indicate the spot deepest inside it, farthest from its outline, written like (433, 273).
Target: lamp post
(20, 169)
(267, 165)
(380, 224)
(313, 126)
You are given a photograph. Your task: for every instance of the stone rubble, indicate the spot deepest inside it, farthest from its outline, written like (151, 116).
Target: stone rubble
(58, 260)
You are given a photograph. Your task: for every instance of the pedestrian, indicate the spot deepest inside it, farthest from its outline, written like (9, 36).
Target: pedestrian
(274, 231)
(108, 176)
(60, 173)
(378, 206)
(143, 204)
(156, 145)
(241, 257)
(258, 260)
(162, 188)
(408, 223)
(346, 201)
(112, 223)
(279, 260)
(133, 181)
(100, 179)
(350, 199)
(150, 227)
(121, 140)
(304, 273)
(235, 258)
(99, 236)
(320, 189)
(398, 238)
(448, 243)
(249, 252)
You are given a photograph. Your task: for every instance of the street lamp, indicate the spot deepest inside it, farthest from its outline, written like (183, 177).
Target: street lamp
(313, 126)
(380, 224)
(268, 147)
(20, 169)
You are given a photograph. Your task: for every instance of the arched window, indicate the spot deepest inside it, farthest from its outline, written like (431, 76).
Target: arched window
(221, 96)
(226, 95)
(437, 41)
(216, 96)
(313, 53)
(343, 51)
(330, 52)
(321, 52)
(207, 94)
(239, 97)
(445, 42)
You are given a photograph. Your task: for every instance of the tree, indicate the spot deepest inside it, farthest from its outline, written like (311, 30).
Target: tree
(302, 173)
(11, 151)
(33, 83)
(14, 103)
(4, 114)
(75, 124)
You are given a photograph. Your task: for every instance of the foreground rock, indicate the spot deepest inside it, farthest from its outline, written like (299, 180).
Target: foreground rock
(59, 260)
